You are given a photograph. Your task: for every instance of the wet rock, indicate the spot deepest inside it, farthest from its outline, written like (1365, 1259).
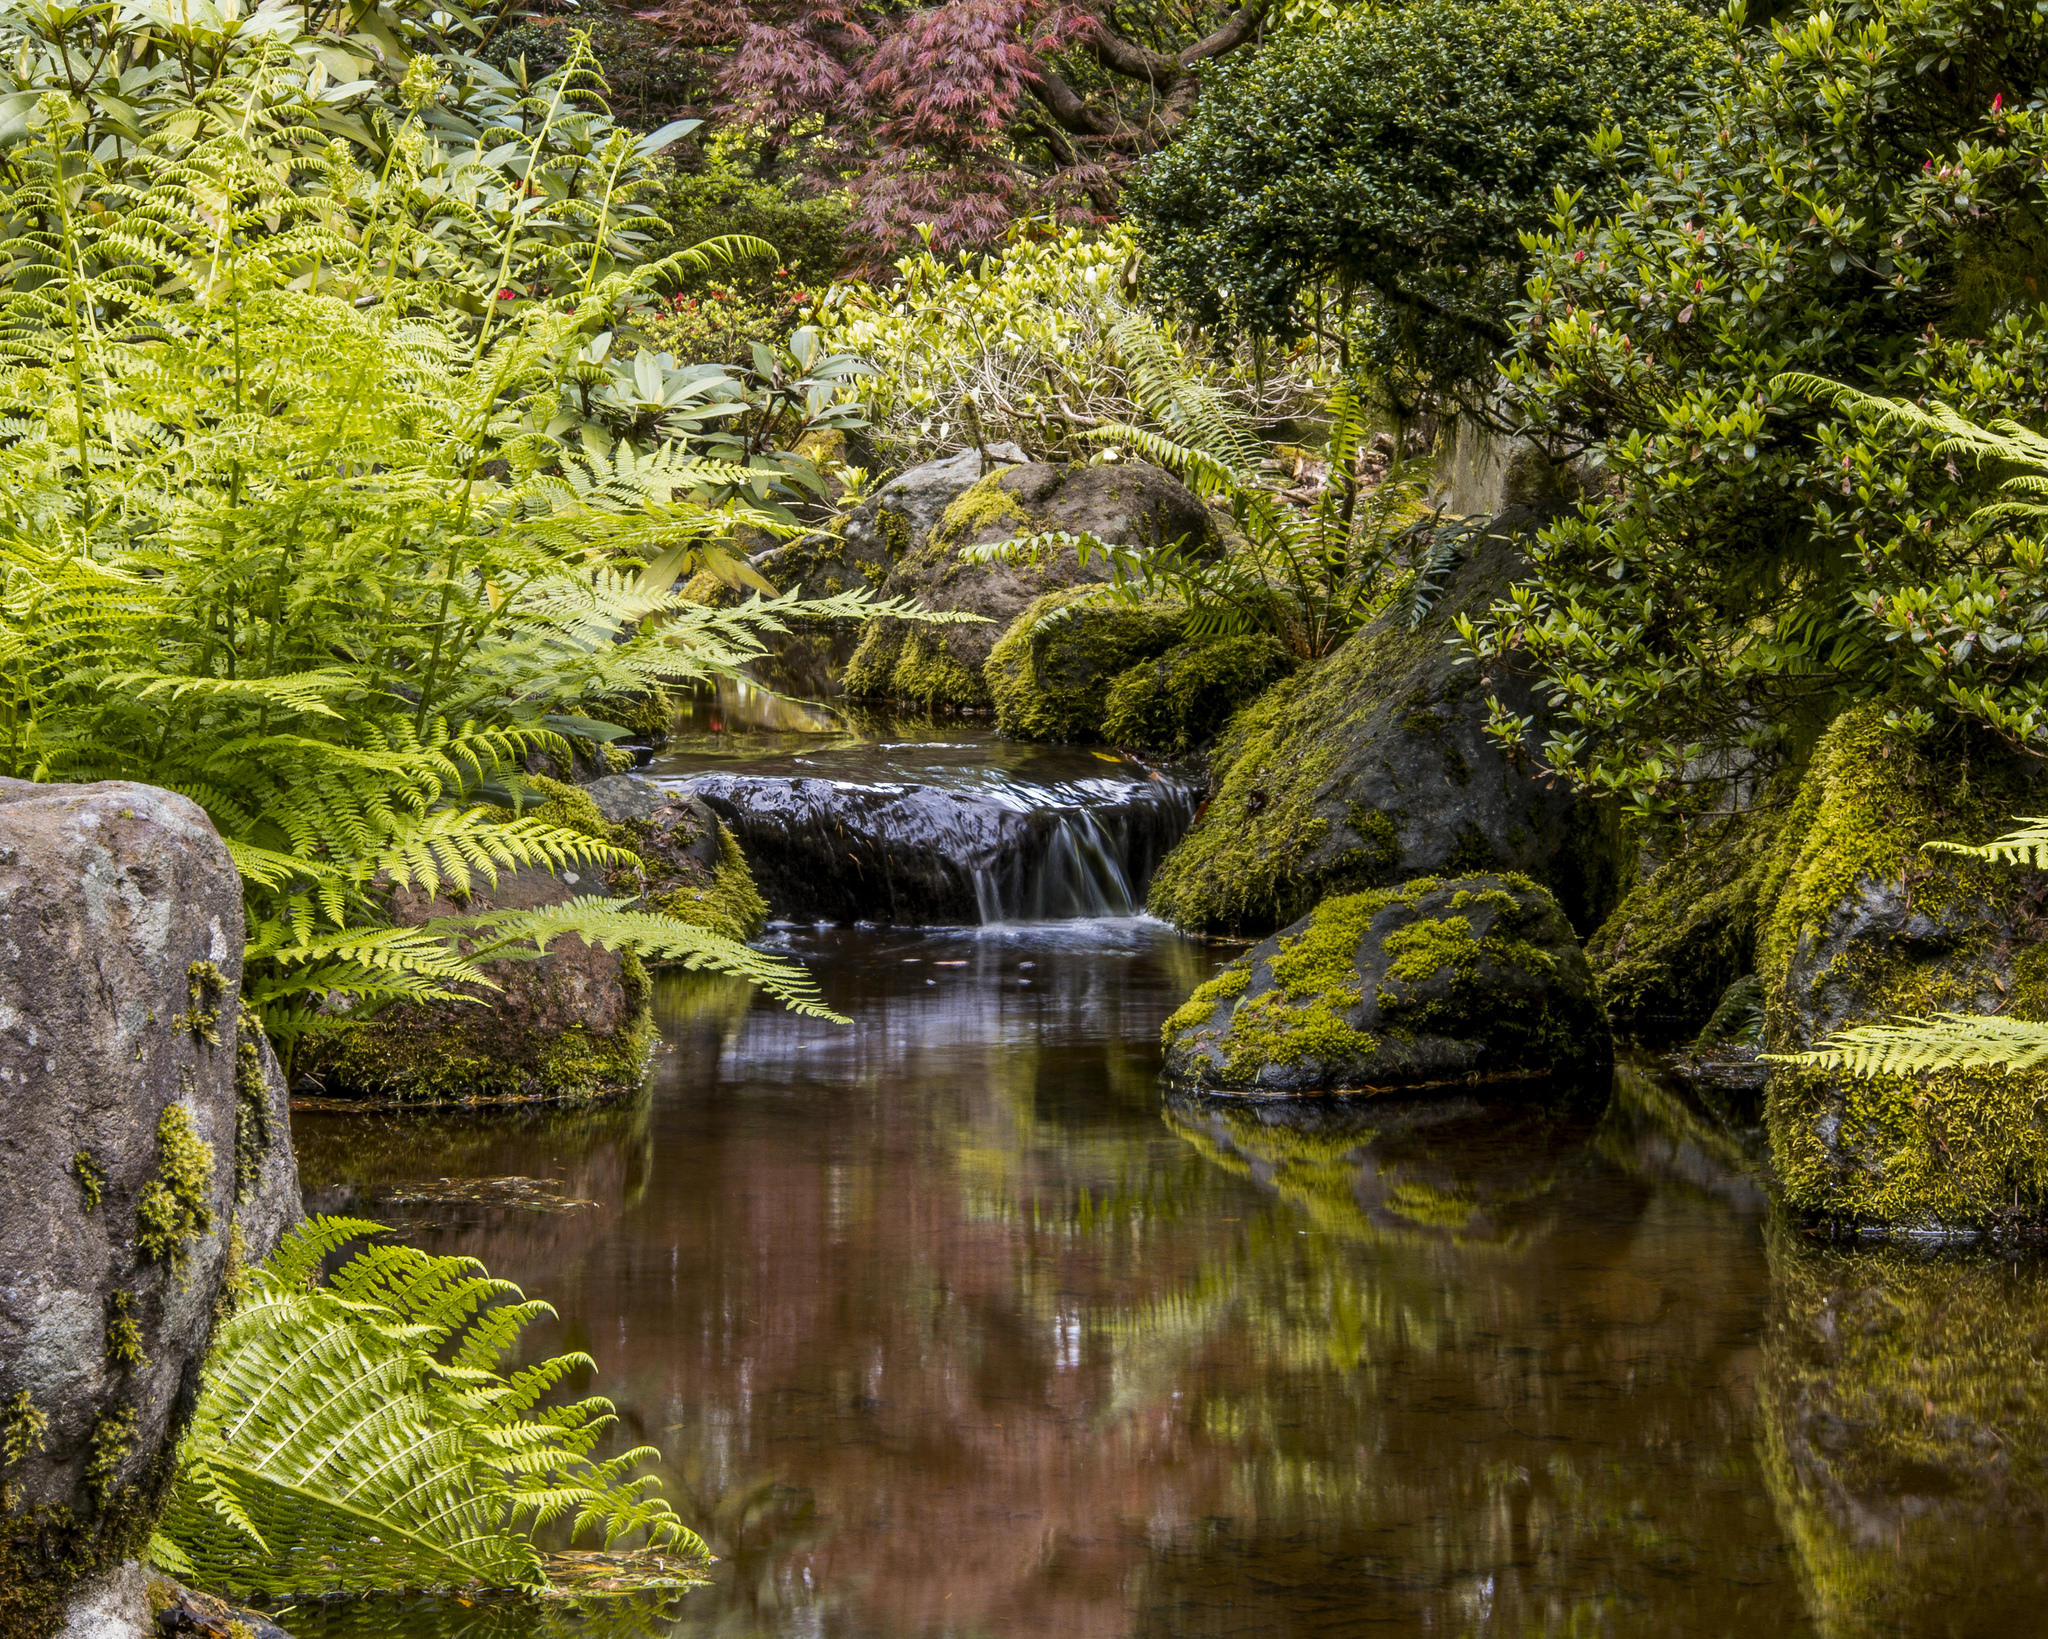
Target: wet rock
(1475, 978)
(147, 1149)
(1050, 674)
(1374, 766)
(691, 867)
(1865, 925)
(1122, 504)
(840, 851)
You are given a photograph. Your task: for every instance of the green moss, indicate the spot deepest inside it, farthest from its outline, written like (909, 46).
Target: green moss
(252, 1107)
(1950, 1148)
(1050, 673)
(113, 1437)
(730, 905)
(928, 672)
(205, 985)
(568, 806)
(1375, 859)
(1180, 701)
(1420, 950)
(92, 1179)
(1678, 939)
(172, 1206)
(1315, 984)
(23, 1428)
(982, 504)
(46, 1552)
(1226, 986)
(1245, 865)
(124, 1333)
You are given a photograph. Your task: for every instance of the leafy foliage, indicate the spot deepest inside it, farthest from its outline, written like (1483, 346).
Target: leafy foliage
(1862, 200)
(960, 116)
(1028, 343)
(355, 1431)
(1307, 570)
(314, 557)
(1402, 153)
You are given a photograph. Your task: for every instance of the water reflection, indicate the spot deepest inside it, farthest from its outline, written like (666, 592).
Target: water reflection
(1904, 1423)
(943, 1330)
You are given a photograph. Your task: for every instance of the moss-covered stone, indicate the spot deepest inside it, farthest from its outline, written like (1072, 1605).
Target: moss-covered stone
(1049, 674)
(1373, 766)
(1681, 936)
(1864, 926)
(945, 665)
(1182, 700)
(1432, 981)
(729, 904)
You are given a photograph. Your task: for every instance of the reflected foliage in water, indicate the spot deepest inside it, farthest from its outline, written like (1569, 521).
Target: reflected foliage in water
(1904, 1418)
(944, 1328)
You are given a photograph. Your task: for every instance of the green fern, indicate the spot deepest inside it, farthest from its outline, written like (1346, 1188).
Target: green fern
(1309, 571)
(355, 1433)
(312, 557)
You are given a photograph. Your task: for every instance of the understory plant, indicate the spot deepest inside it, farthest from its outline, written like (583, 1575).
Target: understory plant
(1861, 197)
(356, 1431)
(284, 532)
(1024, 343)
(1304, 564)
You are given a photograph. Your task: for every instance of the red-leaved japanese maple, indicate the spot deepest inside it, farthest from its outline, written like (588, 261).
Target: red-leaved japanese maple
(961, 114)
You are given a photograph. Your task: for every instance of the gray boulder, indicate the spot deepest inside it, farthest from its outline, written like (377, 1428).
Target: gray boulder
(147, 1148)
(1374, 766)
(1124, 504)
(1474, 979)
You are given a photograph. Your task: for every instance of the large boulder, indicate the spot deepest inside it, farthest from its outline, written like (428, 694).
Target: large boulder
(1866, 925)
(1124, 504)
(1178, 702)
(1473, 979)
(147, 1148)
(1375, 766)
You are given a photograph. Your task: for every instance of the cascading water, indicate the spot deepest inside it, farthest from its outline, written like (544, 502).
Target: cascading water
(967, 828)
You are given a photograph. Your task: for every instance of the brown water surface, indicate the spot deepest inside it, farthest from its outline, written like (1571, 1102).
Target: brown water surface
(944, 1326)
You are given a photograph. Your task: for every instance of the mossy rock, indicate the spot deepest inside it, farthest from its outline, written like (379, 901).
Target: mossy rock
(1374, 766)
(576, 1024)
(1474, 979)
(1866, 926)
(1904, 1420)
(1050, 673)
(1179, 702)
(1126, 504)
(1684, 934)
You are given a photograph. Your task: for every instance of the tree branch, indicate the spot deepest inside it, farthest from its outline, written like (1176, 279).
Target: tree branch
(1065, 104)
(1236, 29)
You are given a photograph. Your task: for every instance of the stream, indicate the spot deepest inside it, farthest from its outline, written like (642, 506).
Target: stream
(945, 1324)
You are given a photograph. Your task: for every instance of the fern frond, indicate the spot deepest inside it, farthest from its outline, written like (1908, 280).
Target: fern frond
(1948, 1041)
(2026, 846)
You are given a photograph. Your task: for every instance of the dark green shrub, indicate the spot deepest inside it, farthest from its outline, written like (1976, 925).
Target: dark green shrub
(808, 233)
(1404, 152)
(1863, 203)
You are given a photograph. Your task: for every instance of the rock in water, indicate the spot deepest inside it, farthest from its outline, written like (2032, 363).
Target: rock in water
(1122, 504)
(1865, 925)
(147, 1147)
(1375, 766)
(1473, 979)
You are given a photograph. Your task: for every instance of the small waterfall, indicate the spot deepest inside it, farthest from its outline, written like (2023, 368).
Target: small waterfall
(1006, 851)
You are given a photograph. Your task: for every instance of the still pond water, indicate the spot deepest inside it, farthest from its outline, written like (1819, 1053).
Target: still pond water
(945, 1325)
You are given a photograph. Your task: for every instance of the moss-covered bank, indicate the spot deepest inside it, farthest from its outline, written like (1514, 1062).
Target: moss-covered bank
(1864, 925)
